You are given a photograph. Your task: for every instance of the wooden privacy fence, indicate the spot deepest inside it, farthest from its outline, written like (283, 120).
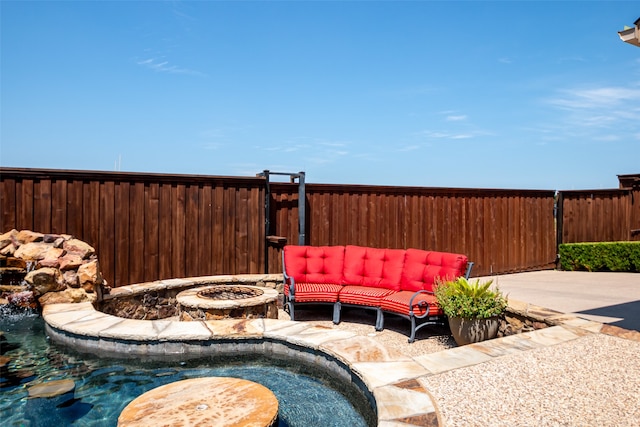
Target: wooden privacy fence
(143, 226)
(500, 230)
(599, 215)
(151, 226)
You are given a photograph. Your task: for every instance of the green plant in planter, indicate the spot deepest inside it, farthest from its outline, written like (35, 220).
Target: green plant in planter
(472, 308)
(461, 298)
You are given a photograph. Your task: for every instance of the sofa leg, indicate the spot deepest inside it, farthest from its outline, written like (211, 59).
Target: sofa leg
(412, 338)
(290, 309)
(379, 320)
(336, 312)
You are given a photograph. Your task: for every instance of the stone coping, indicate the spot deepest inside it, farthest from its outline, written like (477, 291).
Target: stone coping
(179, 284)
(392, 379)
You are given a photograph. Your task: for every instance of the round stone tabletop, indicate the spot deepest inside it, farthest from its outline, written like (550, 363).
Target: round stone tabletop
(210, 401)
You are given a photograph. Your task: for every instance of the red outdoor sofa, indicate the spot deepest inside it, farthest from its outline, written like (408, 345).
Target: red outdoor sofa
(393, 281)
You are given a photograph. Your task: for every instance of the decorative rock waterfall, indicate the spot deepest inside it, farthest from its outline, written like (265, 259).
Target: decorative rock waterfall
(50, 268)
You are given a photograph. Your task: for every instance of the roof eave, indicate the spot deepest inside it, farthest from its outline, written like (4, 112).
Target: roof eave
(631, 36)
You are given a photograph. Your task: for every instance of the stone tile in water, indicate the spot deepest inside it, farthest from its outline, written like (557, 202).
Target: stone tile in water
(377, 374)
(215, 401)
(363, 349)
(51, 388)
(397, 404)
(452, 359)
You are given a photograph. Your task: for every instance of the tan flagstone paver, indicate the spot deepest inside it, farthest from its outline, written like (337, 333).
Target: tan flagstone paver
(377, 374)
(452, 359)
(362, 349)
(395, 402)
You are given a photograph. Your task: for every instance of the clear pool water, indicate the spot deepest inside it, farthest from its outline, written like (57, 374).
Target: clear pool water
(104, 386)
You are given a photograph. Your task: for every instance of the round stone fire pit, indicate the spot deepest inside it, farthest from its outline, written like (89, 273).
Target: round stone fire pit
(227, 301)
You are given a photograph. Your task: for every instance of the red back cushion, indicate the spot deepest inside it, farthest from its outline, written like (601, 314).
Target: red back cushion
(314, 264)
(422, 268)
(378, 268)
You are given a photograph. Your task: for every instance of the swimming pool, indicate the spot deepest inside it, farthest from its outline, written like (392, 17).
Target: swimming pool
(105, 385)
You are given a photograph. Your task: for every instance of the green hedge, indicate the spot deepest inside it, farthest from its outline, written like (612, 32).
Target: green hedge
(606, 256)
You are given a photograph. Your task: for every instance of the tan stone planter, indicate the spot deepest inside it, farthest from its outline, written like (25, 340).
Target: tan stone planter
(467, 331)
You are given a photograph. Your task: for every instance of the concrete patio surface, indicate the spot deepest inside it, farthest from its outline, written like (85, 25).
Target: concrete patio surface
(605, 297)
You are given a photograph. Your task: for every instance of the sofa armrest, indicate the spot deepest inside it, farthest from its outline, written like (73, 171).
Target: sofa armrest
(289, 282)
(420, 304)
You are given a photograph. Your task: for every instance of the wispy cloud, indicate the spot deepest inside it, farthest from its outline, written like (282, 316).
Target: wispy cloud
(457, 118)
(595, 98)
(162, 66)
(595, 113)
(315, 151)
(448, 135)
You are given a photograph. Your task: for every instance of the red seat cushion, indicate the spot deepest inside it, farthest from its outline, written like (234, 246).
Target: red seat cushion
(377, 268)
(314, 264)
(363, 295)
(399, 303)
(315, 292)
(423, 268)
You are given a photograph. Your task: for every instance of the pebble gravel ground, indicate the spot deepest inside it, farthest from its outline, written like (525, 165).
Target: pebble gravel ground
(591, 381)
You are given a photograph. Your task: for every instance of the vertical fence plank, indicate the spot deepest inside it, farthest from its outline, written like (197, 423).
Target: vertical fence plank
(229, 214)
(218, 243)
(151, 262)
(165, 214)
(192, 240)
(122, 234)
(240, 260)
(205, 229)
(255, 213)
(58, 206)
(91, 213)
(107, 246)
(137, 258)
(7, 204)
(74, 209)
(42, 205)
(24, 199)
(178, 229)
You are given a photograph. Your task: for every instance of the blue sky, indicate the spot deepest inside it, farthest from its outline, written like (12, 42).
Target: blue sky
(505, 94)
